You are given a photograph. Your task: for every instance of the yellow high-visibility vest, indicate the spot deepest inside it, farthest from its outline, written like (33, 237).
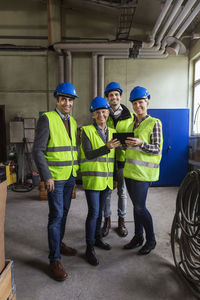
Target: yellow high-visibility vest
(61, 153)
(140, 165)
(97, 173)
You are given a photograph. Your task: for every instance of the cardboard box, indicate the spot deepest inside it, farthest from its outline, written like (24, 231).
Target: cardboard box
(7, 283)
(3, 196)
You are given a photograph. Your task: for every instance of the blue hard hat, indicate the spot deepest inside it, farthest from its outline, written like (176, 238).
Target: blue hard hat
(139, 92)
(113, 86)
(98, 103)
(65, 89)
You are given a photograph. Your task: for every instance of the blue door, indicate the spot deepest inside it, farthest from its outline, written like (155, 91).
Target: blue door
(174, 163)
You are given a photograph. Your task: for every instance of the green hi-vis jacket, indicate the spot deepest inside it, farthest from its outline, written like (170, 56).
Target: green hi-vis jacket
(141, 165)
(122, 126)
(97, 173)
(61, 153)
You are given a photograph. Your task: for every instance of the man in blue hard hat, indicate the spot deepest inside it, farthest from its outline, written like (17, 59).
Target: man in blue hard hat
(120, 118)
(56, 157)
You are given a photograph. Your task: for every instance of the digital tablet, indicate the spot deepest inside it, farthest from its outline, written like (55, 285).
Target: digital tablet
(122, 136)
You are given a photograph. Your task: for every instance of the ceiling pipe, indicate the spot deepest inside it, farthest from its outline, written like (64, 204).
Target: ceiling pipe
(91, 47)
(110, 54)
(101, 76)
(188, 21)
(91, 50)
(169, 20)
(61, 76)
(151, 53)
(179, 20)
(163, 13)
(116, 57)
(60, 68)
(94, 75)
(153, 56)
(164, 29)
(68, 66)
(175, 45)
(113, 52)
(181, 17)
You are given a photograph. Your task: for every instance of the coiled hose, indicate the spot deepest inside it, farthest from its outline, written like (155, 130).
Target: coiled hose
(185, 231)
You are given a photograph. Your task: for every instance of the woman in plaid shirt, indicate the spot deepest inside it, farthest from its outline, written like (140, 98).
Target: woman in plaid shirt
(143, 157)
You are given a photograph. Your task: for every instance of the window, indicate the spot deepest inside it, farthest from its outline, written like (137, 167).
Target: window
(196, 98)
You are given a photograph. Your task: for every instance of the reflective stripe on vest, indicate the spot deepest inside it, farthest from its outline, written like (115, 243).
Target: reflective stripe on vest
(62, 163)
(97, 173)
(61, 152)
(100, 159)
(141, 165)
(60, 149)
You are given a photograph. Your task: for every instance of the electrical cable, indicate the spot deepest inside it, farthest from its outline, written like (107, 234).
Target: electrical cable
(185, 231)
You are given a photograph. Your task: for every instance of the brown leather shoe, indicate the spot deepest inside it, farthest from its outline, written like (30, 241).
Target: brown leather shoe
(65, 250)
(106, 227)
(122, 230)
(57, 270)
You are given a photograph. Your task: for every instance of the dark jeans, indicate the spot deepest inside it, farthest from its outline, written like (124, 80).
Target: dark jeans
(138, 193)
(59, 203)
(96, 202)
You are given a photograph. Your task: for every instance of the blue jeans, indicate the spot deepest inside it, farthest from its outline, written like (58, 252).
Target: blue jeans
(122, 197)
(96, 202)
(59, 203)
(138, 193)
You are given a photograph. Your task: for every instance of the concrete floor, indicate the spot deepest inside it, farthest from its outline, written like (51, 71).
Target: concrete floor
(122, 274)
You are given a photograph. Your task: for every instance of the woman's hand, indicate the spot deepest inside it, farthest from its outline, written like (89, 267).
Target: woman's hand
(114, 143)
(134, 142)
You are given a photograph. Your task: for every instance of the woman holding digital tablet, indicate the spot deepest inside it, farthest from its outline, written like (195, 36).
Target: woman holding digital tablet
(143, 157)
(97, 168)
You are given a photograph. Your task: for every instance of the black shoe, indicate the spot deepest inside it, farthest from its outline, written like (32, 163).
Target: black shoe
(91, 256)
(100, 244)
(146, 249)
(135, 242)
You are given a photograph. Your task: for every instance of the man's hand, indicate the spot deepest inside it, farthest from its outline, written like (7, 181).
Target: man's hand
(114, 143)
(49, 185)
